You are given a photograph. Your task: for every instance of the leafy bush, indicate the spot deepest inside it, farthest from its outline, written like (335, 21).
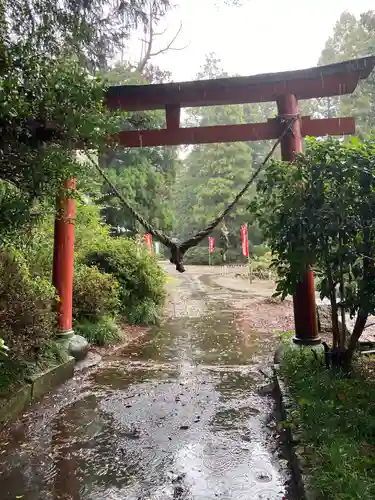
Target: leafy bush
(27, 319)
(3, 348)
(52, 353)
(12, 375)
(145, 311)
(103, 332)
(95, 294)
(199, 256)
(319, 212)
(90, 233)
(37, 245)
(141, 279)
(258, 250)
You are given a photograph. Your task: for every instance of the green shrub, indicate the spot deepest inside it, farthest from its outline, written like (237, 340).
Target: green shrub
(103, 332)
(52, 353)
(141, 279)
(199, 256)
(258, 250)
(37, 248)
(27, 318)
(37, 245)
(95, 294)
(12, 375)
(146, 311)
(90, 233)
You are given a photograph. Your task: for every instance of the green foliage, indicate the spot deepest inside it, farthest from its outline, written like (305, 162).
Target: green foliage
(352, 37)
(52, 353)
(105, 331)
(44, 99)
(90, 232)
(12, 376)
(3, 348)
(141, 279)
(260, 252)
(199, 256)
(212, 174)
(320, 211)
(145, 311)
(95, 293)
(91, 30)
(335, 417)
(27, 319)
(144, 175)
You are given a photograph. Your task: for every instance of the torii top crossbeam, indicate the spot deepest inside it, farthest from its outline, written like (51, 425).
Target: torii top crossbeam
(333, 79)
(324, 81)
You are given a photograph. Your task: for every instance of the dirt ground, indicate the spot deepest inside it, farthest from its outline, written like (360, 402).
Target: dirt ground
(260, 310)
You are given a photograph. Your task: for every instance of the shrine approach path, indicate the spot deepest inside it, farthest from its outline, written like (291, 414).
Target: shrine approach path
(175, 415)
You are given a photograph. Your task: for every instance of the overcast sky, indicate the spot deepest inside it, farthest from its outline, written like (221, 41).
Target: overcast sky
(262, 36)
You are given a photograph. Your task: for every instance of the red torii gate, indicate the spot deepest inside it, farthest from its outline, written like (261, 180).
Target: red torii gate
(285, 88)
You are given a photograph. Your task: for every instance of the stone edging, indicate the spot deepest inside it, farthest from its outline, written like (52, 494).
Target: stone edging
(297, 462)
(37, 386)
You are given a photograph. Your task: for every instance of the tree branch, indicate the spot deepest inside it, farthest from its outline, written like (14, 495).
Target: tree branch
(149, 54)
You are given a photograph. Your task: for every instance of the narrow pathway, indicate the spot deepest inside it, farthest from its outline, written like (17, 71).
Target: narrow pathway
(174, 416)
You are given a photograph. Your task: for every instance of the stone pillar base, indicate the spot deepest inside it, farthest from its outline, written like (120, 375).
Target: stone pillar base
(76, 345)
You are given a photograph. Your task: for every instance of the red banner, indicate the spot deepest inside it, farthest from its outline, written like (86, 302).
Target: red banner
(148, 239)
(211, 243)
(245, 240)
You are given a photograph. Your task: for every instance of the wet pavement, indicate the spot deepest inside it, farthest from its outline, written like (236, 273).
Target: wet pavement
(175, 415)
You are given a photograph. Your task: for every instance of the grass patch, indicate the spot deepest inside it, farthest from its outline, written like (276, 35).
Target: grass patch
(336, 419)
(103, 332)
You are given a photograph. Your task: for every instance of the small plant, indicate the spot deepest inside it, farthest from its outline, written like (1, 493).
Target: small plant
(103, 332)
(3, 348)
(52, 353)
(95, 293)
(12, 375)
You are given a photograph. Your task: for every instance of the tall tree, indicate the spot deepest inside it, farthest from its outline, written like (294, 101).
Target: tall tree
(145, 175)
(93, 30)
(352, 37)
(214, 173)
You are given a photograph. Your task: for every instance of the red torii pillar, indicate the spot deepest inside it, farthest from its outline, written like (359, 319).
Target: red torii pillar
(63, 257)
(305, 316)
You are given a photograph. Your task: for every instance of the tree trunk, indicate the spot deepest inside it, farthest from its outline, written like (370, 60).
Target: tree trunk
(342, 337)
(334, 309)
(335, 321)
(359, 326)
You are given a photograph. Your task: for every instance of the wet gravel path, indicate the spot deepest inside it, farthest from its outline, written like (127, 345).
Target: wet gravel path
(175, 415)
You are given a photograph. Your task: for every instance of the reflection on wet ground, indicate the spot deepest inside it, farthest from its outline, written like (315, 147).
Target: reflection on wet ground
(176, 416)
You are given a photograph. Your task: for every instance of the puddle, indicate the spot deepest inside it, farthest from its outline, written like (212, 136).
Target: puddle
(174, 416)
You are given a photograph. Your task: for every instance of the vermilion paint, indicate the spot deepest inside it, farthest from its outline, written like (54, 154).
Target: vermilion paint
(305, 318)
(63, 255)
